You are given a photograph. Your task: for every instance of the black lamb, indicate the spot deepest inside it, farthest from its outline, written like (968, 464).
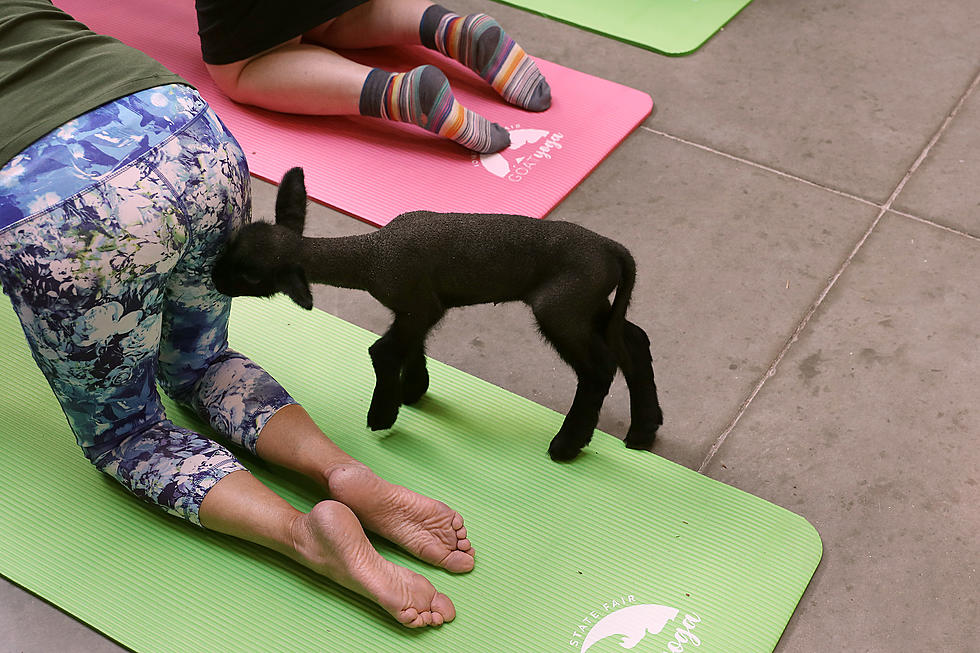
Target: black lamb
(423, 263)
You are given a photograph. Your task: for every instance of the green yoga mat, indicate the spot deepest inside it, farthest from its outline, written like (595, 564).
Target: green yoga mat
(617, 541)
(673, 27)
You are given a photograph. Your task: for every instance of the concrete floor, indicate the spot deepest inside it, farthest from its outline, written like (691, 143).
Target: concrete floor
(804, 207)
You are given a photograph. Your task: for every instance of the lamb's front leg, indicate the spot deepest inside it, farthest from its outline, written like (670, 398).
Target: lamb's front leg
(400, 346)
(387, 387)
(415, 377)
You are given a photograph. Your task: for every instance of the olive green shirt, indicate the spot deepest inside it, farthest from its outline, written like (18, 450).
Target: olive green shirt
(53, 69)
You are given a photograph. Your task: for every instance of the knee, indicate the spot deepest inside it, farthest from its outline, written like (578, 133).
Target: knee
(167, 465)
(635, 336)
(116, 439)
(180, 387)
(383, 355)
(227, 77)
(184, 383)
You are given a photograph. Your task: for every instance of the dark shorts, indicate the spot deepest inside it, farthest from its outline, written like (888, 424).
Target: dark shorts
(232, 30)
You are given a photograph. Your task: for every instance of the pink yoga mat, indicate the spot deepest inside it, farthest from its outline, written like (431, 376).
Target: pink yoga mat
(373, 169)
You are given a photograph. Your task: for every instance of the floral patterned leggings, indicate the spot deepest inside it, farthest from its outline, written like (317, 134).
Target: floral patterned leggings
(108, 229)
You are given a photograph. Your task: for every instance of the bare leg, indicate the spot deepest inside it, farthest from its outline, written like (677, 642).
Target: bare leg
(305, 75)
(329, 540)
(295, 78)
(306, 78)
(425, 527)
(373, 24)
(477, 41)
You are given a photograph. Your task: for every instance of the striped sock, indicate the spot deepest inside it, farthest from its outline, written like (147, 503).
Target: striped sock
(422, 96)
(478, 42)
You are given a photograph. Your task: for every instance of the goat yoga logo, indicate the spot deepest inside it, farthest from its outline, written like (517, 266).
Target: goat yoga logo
(633, 623)
(528, 149)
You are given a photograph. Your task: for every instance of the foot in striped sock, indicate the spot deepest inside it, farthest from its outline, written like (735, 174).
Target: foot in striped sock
(422, 96)
(478, 42)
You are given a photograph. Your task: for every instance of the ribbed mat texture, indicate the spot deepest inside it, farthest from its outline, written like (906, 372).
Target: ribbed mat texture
(674, 27)
(562, 549)
(373, 169)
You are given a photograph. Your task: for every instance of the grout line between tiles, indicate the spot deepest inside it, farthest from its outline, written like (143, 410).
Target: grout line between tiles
(789, 343)
(883, 209)
(937, 225)
(761, 166)
(932, 142)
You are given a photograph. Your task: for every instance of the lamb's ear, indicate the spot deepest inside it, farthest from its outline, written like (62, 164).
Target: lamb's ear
(295, 286)
(291, 201)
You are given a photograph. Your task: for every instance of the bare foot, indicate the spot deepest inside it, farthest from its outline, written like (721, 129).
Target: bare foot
(330, 541)
(428, 529)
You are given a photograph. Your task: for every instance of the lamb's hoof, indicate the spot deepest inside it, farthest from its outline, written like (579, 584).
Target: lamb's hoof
(641, 439)
(382, 417)
(561, 451)
(414, 388)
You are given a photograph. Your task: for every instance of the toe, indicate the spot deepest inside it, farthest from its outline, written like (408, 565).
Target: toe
(412, 618)
(444, 607)
(408, 616)
(541, 98)
(458, 562)
(499, 140)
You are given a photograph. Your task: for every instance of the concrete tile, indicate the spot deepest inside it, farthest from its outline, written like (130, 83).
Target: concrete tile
(729, 258)
(868, 429)
(30, 625)
(845, 94)
(944, 188)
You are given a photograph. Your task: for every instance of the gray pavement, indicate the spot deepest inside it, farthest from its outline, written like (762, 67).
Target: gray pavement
(804, 207)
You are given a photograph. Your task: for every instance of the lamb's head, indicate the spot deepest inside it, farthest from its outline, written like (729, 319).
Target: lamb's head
(262, 259)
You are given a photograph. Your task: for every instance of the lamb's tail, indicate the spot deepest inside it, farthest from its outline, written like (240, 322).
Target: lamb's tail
(624, 291)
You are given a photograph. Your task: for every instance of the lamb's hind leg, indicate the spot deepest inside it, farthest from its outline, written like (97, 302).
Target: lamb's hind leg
(637, 364)
(389, 354)
(595, 371)
(581, 345)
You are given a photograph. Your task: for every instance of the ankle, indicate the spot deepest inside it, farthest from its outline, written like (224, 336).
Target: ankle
(306, 542)
(422, 96)
(430, 24)
(300, 540)
(371, 102)
(333, 474)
